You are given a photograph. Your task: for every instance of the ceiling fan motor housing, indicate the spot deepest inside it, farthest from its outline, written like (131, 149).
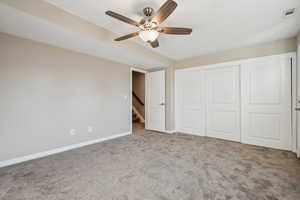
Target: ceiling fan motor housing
(148, 11)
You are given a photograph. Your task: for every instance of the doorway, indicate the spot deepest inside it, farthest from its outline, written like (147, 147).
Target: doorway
(148, 101)
(138, 97)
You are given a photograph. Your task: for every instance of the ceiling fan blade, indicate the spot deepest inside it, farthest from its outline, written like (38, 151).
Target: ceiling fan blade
(175, 30)
(125, 37)
(154, 44)
(164, 11)
(122, 18)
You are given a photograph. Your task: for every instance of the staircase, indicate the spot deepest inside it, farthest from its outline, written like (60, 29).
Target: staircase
(136, 116)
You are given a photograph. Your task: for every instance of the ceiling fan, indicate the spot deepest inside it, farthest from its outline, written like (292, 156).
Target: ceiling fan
(149, 25)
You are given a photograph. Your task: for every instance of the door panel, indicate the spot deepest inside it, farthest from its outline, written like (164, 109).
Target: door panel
(266, 102)
(264, 125)
(223, 103)
(265, 83)
(189, 99)
(223, 121)
(156, 101)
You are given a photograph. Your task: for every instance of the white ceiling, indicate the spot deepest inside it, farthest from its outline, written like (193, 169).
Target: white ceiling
(217, 24)
(15, 22)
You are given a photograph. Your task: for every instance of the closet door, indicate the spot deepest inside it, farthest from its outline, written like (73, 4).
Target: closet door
(190, 107)
(223, 103)
(266, 102)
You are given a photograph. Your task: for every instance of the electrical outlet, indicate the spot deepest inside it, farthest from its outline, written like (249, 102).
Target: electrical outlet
(72, 132)
(90, 129)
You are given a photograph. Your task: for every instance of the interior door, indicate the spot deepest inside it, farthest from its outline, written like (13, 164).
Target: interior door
(155, 101)
(223, 103)
(266, 102)
(190, 105)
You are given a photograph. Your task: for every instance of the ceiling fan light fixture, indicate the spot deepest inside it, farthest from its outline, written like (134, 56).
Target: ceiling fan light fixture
(149, 25)
(148, 35)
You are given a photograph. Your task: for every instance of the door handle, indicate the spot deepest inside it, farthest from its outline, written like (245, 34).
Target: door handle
(297, 109)
(162, 104)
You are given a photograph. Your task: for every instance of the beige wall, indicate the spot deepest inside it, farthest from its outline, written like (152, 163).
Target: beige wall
(138, 87)
(267, 49)
(46, 91)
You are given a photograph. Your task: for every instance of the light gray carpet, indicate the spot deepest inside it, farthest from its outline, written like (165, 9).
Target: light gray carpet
(157, 166)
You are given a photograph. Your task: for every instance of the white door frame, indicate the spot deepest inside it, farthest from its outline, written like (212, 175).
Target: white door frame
(239, 62)
(133, 69)
(297, 64)
(294, 103)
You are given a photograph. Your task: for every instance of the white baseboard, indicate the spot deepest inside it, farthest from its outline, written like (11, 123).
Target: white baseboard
(190, 133)
(170, 132)
(57, 150)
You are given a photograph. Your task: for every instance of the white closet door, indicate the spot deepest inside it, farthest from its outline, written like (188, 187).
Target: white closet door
(189, 102)
(266, 102)
(223, 103)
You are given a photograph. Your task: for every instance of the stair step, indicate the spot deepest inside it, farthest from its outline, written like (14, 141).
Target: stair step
(136, 117)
